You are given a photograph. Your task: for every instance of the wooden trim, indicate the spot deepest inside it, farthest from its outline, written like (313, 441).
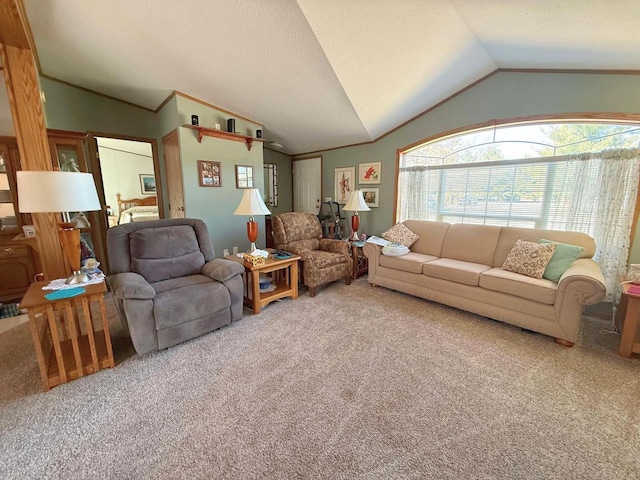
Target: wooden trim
(532, 119)
(166, 100)
(570, 71)
(81, 136)
(21, 80)
(395, 188)
(12, 25)
(210, 105)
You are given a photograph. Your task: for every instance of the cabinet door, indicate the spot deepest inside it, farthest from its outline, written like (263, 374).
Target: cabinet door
(68, 155)
(16, 271)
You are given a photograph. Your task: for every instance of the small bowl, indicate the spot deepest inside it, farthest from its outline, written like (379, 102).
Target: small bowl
(265, 282)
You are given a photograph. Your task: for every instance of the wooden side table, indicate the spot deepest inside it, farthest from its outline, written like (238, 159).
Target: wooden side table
(360, 261)
(61, 360)
(627, 321)
(285, 276)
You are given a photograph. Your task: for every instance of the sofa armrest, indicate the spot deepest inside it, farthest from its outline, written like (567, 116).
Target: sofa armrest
(222, 270)
(130, 285)
(582, 284)
(334, 246)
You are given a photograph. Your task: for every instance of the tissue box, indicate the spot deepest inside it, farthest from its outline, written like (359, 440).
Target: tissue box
(254, 261)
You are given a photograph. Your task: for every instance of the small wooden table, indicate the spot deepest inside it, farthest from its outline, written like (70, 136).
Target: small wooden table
(360, 261)
(284, 273)
(627, 321)
(60, 359)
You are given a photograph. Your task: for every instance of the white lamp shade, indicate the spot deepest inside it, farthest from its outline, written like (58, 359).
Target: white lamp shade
(356, 203)
(52, 191)
(251, 204)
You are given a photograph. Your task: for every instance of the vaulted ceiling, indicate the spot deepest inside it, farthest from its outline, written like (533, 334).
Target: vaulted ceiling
(322, 73)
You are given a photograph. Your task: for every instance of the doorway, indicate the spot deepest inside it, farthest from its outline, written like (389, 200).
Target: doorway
(126, 172)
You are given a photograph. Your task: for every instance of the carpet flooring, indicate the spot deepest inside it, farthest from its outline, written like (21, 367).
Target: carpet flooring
(358, 382)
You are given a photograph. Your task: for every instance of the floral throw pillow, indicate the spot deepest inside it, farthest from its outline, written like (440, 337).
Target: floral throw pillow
(400, 234)
(529, 258)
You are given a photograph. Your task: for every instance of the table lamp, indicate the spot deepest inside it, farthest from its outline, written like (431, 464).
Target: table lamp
(44, 191)
(355, 204)
(251, 204)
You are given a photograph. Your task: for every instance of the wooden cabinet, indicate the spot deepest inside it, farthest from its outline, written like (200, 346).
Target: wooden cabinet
(68, 154)
(17, 262)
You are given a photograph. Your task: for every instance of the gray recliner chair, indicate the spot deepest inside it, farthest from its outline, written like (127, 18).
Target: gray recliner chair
(167, 283)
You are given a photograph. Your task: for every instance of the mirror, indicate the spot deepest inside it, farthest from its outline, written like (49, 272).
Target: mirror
(271, 184)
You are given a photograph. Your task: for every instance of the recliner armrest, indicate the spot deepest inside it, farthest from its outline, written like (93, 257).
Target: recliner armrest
(130, 285)
(335, 246)
(222, 270)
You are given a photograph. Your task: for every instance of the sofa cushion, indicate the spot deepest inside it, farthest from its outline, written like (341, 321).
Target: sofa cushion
(431, 236)
(166, 252)
(471, 243)
(455, 270)
(538, 290)
(400, 234)
(411, 262)
(175, 306)
(529, 258)
(562, 259)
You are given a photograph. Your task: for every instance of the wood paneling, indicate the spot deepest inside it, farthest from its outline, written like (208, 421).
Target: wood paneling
(28, 117)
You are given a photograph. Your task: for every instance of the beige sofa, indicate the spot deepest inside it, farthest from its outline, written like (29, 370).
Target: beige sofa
(459, 265)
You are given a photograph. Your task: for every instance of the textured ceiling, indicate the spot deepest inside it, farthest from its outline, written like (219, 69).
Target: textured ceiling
(322, 73)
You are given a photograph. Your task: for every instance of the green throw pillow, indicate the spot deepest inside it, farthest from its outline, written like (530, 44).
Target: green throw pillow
(562, 259)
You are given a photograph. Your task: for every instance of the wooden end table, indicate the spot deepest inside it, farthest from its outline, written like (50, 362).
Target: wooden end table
(60, 359)
(627, 321)
(284, 273)
(360, 261)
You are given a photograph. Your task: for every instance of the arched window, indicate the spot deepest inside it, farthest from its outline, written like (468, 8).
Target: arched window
(576, 175)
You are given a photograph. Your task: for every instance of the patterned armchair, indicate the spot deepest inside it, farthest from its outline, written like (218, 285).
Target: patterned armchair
(323, 260)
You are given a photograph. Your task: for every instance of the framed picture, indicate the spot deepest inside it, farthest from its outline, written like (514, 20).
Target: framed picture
(369, 173)
(209, 173)
(244, 176)
(344, 183)
(148, 184)
(371, 196)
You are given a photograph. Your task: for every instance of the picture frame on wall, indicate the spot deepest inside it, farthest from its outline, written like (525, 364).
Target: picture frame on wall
(147, 184)
(370, 196)
(344, 183)
(209, 173)
(369, 173)
(244, 176)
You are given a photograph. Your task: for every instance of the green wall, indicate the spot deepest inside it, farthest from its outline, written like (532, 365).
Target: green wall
(503, 95)
(215, 205)
(285, 180)
(72, 108)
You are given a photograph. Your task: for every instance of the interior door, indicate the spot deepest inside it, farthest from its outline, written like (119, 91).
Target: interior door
(173, 173)
(307, 185)
(103, 176)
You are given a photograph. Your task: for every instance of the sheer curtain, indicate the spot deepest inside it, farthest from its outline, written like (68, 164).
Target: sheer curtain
(602, 204)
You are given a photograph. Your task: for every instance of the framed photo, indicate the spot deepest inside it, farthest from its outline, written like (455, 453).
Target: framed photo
(344, 183)
(244, 176)
(369, 173)
(371, 196)
(147, 184)
(209, 174)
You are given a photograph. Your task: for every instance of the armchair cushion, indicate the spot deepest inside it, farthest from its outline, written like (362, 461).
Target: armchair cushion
(222, 270)
(323, 259)
(131, 285)
(335, 246)
(168, 252)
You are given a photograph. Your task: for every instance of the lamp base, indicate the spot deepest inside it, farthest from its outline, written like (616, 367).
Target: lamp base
(354, 237)
(78, 277)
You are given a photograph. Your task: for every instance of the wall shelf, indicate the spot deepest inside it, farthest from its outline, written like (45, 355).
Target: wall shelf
(237, 137)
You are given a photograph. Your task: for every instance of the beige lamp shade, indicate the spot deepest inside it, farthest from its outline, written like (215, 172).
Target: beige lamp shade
(356, 203)
(53, 191)
(251, 204)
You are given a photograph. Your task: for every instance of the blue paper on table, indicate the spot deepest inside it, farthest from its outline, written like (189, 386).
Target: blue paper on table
(64, 293)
